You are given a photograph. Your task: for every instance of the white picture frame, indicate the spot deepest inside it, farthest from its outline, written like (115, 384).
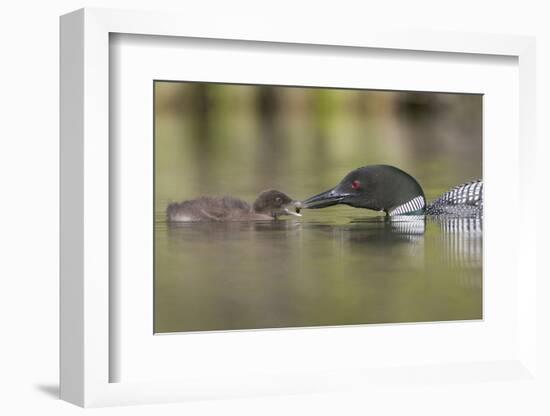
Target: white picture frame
(86, 356)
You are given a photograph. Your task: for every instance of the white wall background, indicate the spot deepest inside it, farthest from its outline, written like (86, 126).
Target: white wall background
(29, 56)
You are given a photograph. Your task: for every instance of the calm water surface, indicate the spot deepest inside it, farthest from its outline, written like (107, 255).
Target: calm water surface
(329, 268)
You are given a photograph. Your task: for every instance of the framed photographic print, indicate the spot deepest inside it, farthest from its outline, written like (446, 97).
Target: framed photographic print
(262, 212)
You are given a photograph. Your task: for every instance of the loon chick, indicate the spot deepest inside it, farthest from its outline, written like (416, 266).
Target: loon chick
(269, 205)
(389, 189)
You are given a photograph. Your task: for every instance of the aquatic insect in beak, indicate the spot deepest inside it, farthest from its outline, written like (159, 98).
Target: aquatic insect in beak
(296, 205)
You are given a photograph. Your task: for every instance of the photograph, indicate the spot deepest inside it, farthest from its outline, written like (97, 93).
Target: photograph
(282, 206)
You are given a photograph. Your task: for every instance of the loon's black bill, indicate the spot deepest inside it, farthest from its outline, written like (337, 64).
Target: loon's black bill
(324, 199)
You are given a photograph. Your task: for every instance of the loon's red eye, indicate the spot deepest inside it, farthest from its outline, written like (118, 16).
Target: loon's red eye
(356, 184)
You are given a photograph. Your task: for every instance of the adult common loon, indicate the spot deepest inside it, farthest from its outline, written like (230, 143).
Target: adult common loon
(269, 205)
(389, 189)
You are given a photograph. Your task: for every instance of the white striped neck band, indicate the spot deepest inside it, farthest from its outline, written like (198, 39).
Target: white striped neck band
(414, 206)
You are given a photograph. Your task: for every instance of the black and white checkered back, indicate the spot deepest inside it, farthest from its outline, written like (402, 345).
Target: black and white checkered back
(465, 199)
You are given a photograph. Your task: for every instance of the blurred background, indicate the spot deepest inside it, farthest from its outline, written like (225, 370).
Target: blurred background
(334, 266)
(240, 139)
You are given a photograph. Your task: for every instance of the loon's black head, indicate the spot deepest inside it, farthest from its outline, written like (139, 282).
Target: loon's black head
(378, 187)
(275, 203)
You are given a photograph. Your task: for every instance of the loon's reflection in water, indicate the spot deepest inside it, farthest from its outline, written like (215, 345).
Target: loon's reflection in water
(461, 240)
(321, 269)
(458, 242)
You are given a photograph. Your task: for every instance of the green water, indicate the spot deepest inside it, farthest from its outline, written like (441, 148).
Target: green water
(334, 266)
